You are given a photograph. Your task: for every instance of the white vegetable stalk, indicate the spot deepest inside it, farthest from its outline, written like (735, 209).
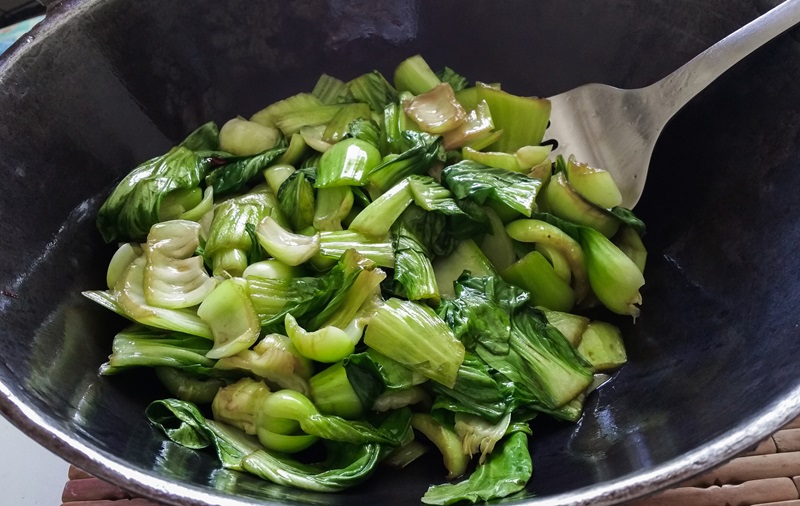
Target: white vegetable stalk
(479, 435)
(275, 359)
(232, 318)
(289, 248)
(174, 277)
(328, 344)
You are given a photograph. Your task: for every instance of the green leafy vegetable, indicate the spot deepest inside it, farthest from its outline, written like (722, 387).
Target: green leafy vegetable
(544, 367)
(174, 277)
(451, 77)
(479, 182)
(229, 244)
(333, 394)
(373, 89)
(291, 249)
(267, 301)
(275, 359)
(413, 335)
(347, 163)
(506, 472)
(330, 90)
(413, 270)
(233, 321)
(416, 160)
(366, 130)
(346, 465)
(241, 137)
(478, 390)
(134, 205)
(414, 75)
(148, 348)
(297, 200)
(235, 172)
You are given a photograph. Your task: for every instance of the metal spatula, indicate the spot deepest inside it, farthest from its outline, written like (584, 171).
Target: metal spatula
(617, 129)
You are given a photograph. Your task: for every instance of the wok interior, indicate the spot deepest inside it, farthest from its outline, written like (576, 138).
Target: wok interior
(119, 82)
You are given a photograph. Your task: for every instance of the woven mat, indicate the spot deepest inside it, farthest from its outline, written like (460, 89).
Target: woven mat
(768, 474)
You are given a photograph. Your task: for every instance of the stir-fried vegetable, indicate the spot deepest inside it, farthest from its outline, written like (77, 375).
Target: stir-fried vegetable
(373, 269)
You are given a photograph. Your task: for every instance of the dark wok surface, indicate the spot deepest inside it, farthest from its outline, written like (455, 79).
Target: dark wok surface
(103, 85)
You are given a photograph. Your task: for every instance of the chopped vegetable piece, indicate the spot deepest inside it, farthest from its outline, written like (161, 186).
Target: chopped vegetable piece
(128, 299)
(466, 257)
(229, 244)
(378, 249)
(378, 217)
(272, 269)
(238, 403)
(333, 206)
(293, 406)
(230, 315)
(298, 200)
(595, 185)
(570, 325)
(539, 231)
(479, 435)
(479, 182)
(601, 345)
(173, 277)
(241, 137)
(615, 279)
(125, 254)
(337, 128)
(330, 90)
(417, 160)
(148, 348)
(436, 111)
(187, 386)
(455, 460)
(327, 345)
(559, 198)
(496, 244)
(289, 248)
(477, 125)
(496, 159)
(531, 156)
(413, 335)
(134, 205)
(414, 75)
(373, 89)
(413, 270)
(276, 175)
(522, 119)
(347, 163)
(630, 242)
(333, 394)
(534, 274)
(275, 359)
(506, 472)
(451, 77)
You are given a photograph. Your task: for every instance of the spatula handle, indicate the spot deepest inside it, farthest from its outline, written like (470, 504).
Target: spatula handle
(675, 90)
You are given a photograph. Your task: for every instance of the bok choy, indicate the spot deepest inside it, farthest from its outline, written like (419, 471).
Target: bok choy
(367, 270)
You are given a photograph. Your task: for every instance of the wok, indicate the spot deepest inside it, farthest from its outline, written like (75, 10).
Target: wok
(101, 85)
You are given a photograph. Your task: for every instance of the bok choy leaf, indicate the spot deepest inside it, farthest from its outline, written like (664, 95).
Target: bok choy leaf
(234, 172)
(479, 182)
(140, 347)
(134, 205)
(506, 472)
(346, 464)
(413, 335)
